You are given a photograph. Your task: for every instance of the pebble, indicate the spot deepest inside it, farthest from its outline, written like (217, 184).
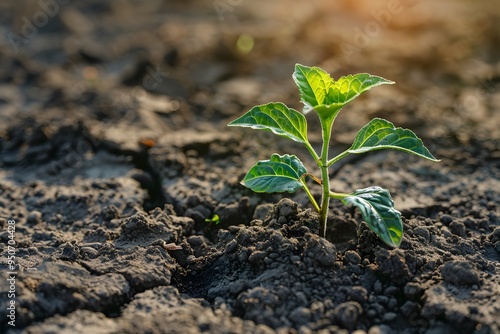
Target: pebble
(413, 291)
(390, 316)
(460, 273)
(301, 315)
(243, 256)
(274, 256)
(231, 246)
(238, 286)
(470, 222)
(390, 291)
(263, 329)
(382, 299)
(321, 251)
(347, 314)
(89, 252)
(359, 294)
(262, 211)
(352, 257)
(408, 308)
(446, 232)
(287, 208)
(304, 330)
(34, 217)
(256, 257)
(446, 219)
(392, 303)
(458, 228)
(380, 329)
(422, 232)
(234, 229)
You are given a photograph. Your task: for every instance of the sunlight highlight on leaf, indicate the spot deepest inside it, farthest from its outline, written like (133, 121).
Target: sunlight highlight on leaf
(380, 134)
(275, 117)
(377, 208)
(276, 175)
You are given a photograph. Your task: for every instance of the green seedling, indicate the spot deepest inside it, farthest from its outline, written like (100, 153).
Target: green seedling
(215, 219)
(286, 173)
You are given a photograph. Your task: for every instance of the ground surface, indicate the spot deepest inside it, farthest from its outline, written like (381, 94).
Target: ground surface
(114, 150)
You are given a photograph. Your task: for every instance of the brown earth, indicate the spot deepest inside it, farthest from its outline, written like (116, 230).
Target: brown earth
(114, 151)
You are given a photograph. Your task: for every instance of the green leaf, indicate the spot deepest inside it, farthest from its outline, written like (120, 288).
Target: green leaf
(347, 88)
(215, 219)
(326, 96)
(314, 85)
(377, 209)
(275, 117)
(276, 175)
(318, 89)
(381, 134)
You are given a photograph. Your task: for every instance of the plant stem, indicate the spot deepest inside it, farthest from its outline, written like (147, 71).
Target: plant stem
(323, 165)
(338, 195)
(325, 202)
(311, 197)
(337, 158)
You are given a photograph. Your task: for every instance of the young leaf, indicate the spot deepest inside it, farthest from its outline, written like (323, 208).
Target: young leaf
(215, 219)
(326, 96)
(275, 117)
(380, 134)
(377, 209)
(276, 175)
(314, 85)
(347, 88)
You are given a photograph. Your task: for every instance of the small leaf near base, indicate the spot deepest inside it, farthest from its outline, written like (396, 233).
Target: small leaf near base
(377, 209)
(279, 174)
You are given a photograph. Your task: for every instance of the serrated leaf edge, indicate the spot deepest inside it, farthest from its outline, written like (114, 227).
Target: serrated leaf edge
(419, 141)
(276, 130)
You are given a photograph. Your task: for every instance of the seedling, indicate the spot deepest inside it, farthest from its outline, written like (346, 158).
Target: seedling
(215, 219)
(286, 173)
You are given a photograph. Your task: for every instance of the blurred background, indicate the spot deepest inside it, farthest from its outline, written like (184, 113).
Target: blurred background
(133, 71)
(221, 56)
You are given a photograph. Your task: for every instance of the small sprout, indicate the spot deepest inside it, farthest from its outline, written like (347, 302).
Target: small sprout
(286, 173)
(215, 219)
